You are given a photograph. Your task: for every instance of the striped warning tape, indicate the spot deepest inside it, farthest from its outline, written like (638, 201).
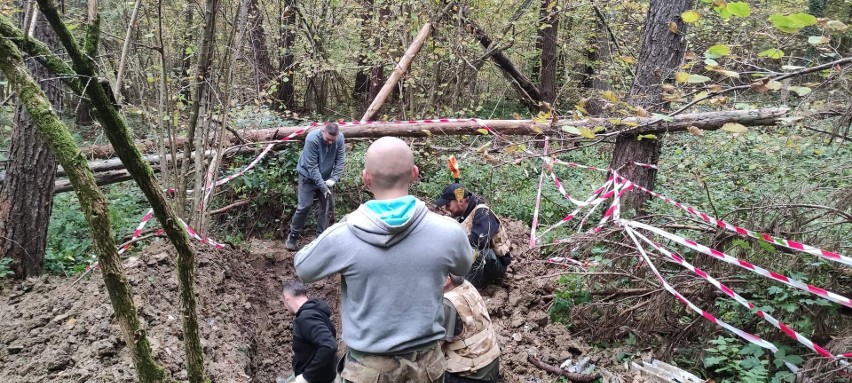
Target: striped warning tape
(731, 293)
(834, 297)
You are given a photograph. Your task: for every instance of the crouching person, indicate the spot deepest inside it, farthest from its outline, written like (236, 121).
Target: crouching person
(314, 337)
(471, 349)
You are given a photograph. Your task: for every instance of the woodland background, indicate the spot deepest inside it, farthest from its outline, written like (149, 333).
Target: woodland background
(194, 81)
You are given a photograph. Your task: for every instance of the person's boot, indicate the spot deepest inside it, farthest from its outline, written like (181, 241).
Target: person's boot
(291, 241)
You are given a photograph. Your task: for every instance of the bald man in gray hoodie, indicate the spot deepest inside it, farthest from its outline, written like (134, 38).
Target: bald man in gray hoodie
(393, 255)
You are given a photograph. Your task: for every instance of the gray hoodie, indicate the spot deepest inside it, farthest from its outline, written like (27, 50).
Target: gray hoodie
(392, 274)
(320, 161)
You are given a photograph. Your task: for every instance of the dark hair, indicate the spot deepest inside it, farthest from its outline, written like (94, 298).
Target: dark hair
(456, 280)
(332, 129)
(295, 288)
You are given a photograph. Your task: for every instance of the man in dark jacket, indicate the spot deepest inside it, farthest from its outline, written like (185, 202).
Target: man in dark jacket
(483, 232)
(314, 336)
(319, 168)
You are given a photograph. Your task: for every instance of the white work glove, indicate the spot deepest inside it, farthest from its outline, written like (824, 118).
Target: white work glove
(300, 379)
(329, 182)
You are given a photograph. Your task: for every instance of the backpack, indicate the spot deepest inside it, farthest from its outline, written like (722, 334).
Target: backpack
(499, 242)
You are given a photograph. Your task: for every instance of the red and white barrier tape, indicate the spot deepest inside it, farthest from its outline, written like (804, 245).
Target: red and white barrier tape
(710, 317)
(745, 265)
(614, 210)
(537, 200)
(832, 256)
(594, 200)
(138, 231)
(731, 293)
(192, 233)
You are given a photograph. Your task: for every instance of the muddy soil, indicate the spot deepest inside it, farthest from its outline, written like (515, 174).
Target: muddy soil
(52, 329)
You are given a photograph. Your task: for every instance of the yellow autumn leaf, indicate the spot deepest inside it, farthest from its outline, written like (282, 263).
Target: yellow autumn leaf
(542, 118)
(681, 76)
(537, 130)
(428, 133)
(628, 59)
(690, 16)
(481, 130)
(586, 132)
(610, 96)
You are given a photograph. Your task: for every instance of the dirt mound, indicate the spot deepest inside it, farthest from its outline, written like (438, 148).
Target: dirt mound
(54, 330)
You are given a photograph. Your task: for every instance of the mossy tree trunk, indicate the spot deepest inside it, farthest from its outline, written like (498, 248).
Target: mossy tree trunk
(93, 204)
(119, 136)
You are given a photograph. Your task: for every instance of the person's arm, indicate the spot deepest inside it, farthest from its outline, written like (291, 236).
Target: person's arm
(461, 252)
(485, 226)
(317, 260)
(340, 158)
(326, 345)
(311, 157)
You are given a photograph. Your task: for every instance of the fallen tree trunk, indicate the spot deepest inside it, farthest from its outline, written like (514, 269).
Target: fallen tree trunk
(111, 171)
(376, 129)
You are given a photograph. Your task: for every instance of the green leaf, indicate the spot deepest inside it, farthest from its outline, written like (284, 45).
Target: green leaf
(739, 9)
(717, 51)
(733, 127)
(690, 16)
(795, 359)
(772, 53)
(784, 23)
(646, 136)
(570, 130)
(803, 19)
(714, 360)
(697, 79)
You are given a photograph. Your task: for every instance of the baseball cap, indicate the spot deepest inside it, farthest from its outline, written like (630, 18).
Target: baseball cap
(449, 194)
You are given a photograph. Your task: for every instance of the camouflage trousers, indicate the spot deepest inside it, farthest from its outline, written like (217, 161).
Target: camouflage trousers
(424, 366)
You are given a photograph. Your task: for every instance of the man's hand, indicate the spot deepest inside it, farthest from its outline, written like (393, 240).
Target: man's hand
(301, 379)
(329, 183)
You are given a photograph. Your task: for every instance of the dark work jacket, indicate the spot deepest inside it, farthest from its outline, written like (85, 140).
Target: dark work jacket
(314, 343)
(485, 224)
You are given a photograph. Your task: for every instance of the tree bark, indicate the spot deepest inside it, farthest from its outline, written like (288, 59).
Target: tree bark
(26, 196)
(660, 55)
(285, 96)
(548, 36)
(260, 52)
(94, 207)
(119, 135)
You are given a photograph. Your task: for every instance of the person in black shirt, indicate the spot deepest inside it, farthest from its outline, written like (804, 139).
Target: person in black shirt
(314, 336)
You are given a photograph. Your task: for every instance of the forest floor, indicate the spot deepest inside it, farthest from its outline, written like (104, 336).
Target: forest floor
(52, 329)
